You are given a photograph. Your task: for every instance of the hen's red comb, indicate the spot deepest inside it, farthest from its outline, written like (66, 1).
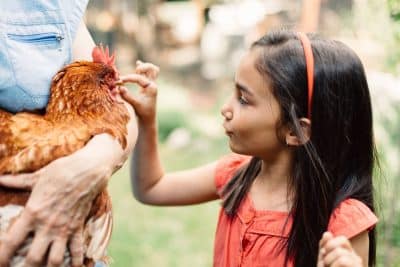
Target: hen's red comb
(101, 55)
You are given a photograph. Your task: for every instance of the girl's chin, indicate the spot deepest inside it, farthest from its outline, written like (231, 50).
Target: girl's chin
(235, 148)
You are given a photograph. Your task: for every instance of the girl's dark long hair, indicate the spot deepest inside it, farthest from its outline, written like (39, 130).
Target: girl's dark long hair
(337, 162)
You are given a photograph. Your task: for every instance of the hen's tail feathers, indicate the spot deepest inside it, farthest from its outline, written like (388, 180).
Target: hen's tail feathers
(97, 232)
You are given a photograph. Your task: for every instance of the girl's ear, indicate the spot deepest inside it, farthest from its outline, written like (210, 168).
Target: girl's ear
(292, 139)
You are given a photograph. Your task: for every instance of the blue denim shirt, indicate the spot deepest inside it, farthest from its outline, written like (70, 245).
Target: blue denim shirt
(35, 42)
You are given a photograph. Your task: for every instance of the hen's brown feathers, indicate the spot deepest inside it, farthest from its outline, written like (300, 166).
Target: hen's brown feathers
(80, 107)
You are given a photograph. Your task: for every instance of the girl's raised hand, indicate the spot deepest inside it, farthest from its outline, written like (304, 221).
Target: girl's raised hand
(149, 70)
(337, 252)
(145, 100)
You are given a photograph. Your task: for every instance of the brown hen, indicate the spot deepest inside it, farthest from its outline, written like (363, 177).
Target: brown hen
(81, 105)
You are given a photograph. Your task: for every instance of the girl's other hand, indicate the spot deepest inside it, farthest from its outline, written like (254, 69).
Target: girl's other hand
(145, 101)
(337, 252)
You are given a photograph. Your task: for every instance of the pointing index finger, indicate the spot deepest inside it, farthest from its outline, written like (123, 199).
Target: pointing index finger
(136, 78)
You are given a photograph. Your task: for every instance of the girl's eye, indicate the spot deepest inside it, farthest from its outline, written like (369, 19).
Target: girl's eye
(242, 100)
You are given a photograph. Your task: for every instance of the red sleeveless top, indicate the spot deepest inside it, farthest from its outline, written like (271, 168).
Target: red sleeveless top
(254, 238)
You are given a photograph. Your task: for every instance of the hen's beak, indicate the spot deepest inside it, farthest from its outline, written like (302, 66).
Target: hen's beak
(119, 83)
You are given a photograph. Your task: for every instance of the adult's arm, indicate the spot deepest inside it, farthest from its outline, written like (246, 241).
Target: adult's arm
(63, 191)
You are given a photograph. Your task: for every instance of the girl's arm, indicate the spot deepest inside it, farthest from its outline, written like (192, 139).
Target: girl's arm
(151, 185)
(342, 252)
(62, 192)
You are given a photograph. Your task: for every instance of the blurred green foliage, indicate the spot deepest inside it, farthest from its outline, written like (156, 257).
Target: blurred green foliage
(394, 8)
(169, 120)
(394, 56)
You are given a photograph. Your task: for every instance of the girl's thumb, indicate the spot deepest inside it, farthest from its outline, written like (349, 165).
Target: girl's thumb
(128, 96)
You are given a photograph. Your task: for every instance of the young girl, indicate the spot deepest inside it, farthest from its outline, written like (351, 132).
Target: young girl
(300, 123)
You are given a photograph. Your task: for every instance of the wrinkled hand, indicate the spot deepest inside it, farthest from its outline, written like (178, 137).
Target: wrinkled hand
(337, 252)
(144, 102)
(61, 198)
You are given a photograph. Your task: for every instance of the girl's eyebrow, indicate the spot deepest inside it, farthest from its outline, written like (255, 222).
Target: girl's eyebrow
(243, 88)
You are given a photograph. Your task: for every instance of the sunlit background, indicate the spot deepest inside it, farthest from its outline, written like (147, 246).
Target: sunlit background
(198, 44)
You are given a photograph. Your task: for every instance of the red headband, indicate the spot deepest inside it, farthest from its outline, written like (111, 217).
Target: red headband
(309, 67)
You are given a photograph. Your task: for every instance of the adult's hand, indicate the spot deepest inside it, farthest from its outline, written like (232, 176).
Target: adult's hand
(61, 198)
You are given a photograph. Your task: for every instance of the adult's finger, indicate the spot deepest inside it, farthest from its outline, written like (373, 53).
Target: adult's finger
(57, 251)
(21, 181)
(76, 247)
(14, 237)
(38, 249)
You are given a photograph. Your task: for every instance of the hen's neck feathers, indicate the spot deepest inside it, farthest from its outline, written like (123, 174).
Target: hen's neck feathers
(80, 95)
(77, 90)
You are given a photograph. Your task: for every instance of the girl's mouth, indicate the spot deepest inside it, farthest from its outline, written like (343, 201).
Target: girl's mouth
(228, 133)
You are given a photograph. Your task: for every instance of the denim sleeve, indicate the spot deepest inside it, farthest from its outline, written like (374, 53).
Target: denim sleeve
(73, 13)
(35, 42)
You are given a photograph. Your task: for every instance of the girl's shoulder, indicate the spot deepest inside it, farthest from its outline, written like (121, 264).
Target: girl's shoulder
(226, 168)
(351, 218)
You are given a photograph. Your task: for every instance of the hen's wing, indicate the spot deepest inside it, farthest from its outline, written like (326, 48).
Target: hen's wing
(31, 142)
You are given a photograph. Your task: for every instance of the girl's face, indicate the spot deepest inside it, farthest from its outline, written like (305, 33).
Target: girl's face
(252, 112)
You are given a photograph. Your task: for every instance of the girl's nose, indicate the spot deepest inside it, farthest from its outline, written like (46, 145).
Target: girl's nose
(226, 112)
